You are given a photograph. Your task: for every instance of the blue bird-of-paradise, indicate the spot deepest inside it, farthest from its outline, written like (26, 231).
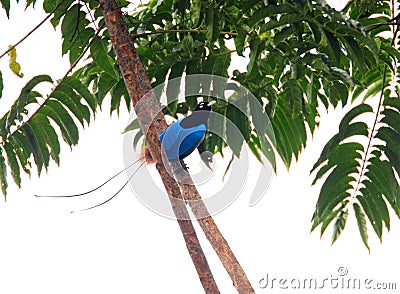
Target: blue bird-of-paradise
(179, 140)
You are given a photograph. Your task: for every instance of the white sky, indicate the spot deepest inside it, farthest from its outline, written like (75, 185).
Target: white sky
(123, 247)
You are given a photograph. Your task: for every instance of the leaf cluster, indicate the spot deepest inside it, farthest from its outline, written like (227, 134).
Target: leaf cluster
(303, 57)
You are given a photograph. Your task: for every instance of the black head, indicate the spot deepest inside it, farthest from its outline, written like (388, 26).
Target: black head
(203, 106)
(198, 116)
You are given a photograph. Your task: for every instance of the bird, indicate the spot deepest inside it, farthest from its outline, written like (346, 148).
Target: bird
(182, 137)
(179, 140)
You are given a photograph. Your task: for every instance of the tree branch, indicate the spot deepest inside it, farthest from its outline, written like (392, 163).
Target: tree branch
(214, 236)
(138, 85)
(135, 36)
(34, 29)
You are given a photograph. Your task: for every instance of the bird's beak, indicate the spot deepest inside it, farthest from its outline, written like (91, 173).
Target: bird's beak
(211, 102)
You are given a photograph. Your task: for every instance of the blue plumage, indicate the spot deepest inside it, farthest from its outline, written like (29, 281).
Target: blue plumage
(185, 135)
(179, 142)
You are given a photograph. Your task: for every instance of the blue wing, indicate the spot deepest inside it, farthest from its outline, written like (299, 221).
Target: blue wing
(179, 142)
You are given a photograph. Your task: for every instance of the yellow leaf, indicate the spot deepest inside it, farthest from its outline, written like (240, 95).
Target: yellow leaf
(14, 65)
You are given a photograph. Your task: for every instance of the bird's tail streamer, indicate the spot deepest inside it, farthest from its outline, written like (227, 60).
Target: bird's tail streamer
(98, 187)
(115, 194)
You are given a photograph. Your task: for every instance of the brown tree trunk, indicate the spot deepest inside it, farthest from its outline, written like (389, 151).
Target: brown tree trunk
(138, 85)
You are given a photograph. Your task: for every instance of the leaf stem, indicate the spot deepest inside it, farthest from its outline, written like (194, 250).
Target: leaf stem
(371, 134)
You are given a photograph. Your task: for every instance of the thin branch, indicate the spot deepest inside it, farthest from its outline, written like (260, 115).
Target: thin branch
(134, 36)
(228, 167)
(92, 19)
(34, 29)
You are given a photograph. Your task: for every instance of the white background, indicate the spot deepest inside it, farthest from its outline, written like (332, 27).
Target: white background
(123, 247)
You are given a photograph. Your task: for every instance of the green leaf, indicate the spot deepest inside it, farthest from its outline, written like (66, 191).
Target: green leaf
(381, 174)
(1, 85)
(50, 136)
(36, 140)
(117, 92)
(49, 5)
(356, 53)
(160, 75)
(290, 132)
(240, 40)
(71, 21)
(77, 44)
(82, 90)
(339, 225)
(99, 53)
(343, 155)
(284, 20)
(212, 24)
(338, 92)
(214, 140)
(195, 10)
(268, 11)
(3, 174)
(76, 32)
(332, 47)
(392, 119)
(25, 98)
(293, 94)
(6, 6)
(353, 113)
(62, 118)
(217, 63)
(254, 53)
(22, 149)
(173, 90)
(264, 136)
(362, 224)
(13, 163)
(133, 125)
(136, 139)
(370, 210)
(71, 100)
(328, 220)
(58, 13)
(237, 129)
(284, 34)
(104, 86)
(328, 199)
(254, 145)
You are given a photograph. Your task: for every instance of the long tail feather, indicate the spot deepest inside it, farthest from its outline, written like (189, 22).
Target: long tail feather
(116, 193)
(98, 187)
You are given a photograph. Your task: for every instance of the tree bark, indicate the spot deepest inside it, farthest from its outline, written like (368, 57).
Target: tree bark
(213, 234)
(138, 85)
